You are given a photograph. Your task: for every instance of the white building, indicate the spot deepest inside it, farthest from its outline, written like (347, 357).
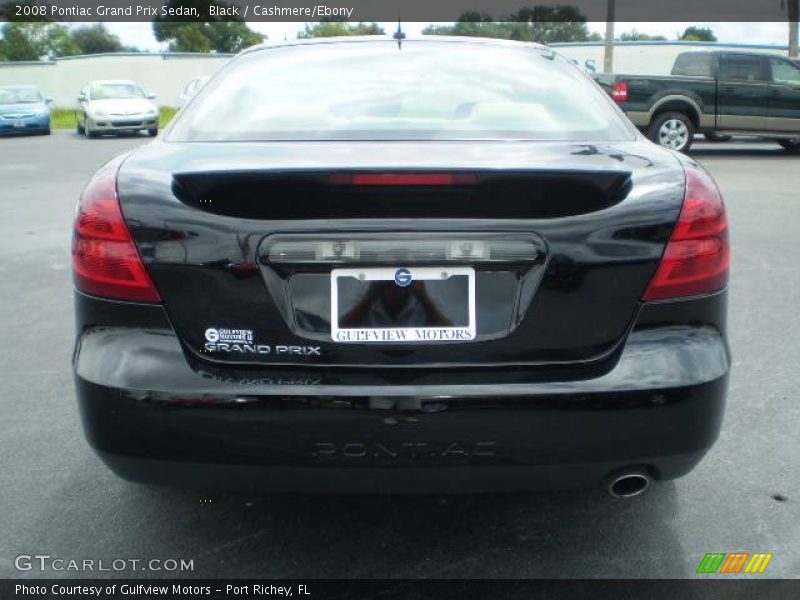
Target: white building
(162, 74)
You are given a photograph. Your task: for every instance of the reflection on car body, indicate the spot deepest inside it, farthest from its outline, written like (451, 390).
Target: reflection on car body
(192, 87)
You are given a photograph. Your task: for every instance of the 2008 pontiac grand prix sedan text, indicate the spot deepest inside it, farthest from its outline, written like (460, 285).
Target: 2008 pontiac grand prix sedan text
(451, 266)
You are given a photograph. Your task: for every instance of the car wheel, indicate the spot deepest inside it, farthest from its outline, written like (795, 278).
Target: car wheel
(46, 131)
(672, 130)
(79, 128)
(792, 145)
(90, 134)
(713, 136)
(152, 132)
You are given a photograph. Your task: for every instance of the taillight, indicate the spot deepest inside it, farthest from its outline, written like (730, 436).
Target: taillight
(697, 256)
(620, 91)
(105, 260)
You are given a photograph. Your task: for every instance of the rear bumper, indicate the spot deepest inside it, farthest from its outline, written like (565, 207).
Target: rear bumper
(153, 417)
(30, 126)
(470, 479)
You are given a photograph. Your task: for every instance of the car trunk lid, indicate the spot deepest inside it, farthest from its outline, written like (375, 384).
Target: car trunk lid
(563, 240)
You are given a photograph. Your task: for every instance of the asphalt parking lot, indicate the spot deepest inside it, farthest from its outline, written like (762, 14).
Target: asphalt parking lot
(57, 498)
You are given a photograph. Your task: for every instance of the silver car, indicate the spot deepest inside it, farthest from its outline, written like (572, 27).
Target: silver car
(114, 106)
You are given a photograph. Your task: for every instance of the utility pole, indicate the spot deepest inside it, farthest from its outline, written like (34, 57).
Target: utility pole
(793, 9)
(608, 58)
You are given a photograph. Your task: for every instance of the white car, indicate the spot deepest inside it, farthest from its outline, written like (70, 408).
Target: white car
(192, 88)
(114, 106)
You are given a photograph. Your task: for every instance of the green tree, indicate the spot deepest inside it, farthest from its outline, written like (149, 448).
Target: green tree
(548, 24)
(544, 24)
(232, 36)
(338, 28)
(96, 39)
(36, 41)
(215, 34)
(698, 34)
(473, 24)
(635, 36)
(183, 37)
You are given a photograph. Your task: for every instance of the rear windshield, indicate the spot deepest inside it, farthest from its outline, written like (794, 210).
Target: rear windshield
(20, 95)
(694, 64)
(115, 91)
(375, 91)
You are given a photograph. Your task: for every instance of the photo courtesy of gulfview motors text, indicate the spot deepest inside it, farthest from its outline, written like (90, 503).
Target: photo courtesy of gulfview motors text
(254, 590)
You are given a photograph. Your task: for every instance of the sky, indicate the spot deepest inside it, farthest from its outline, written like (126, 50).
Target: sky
(141, 34)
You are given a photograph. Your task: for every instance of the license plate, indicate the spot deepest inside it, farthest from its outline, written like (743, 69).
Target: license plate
(403, 305)
(19, 123)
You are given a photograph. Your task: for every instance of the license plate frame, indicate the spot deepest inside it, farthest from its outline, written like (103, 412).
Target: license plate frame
(408, 335)
(18, 123)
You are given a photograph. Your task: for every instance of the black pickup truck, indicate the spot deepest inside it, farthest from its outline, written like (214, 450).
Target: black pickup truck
(715, 93)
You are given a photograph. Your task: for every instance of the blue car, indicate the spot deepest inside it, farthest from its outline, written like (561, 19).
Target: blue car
(23, 109)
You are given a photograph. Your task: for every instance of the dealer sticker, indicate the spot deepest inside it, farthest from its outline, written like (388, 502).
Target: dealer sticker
(229, 336)
(242, 342)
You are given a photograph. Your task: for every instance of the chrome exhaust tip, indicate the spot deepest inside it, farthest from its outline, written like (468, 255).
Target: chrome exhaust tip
(628, 485)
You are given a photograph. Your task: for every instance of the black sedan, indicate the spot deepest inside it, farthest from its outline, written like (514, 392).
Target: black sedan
(442, 266)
